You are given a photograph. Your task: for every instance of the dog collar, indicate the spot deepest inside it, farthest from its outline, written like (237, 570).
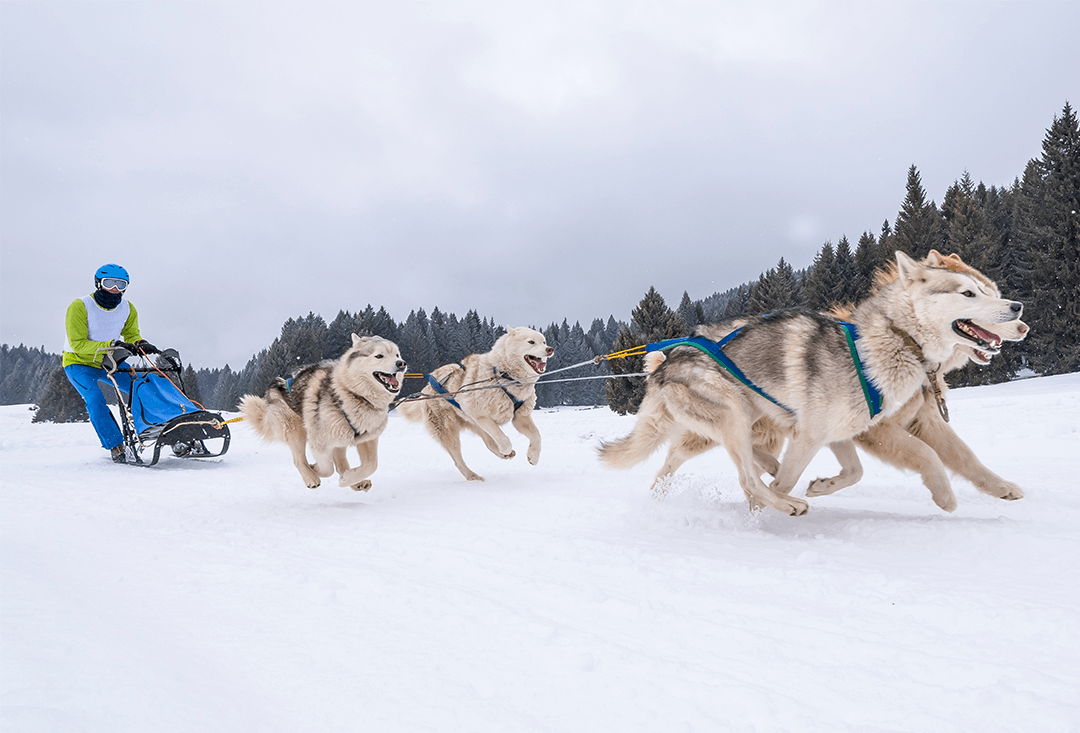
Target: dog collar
(931, 372)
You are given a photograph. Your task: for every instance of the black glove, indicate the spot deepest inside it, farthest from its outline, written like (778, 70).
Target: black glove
(146, 347)
(123, 345)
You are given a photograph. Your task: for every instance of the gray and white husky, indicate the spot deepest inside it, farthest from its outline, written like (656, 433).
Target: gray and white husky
(330, 406)
(499, 388)
(917, 437)
(908, 328)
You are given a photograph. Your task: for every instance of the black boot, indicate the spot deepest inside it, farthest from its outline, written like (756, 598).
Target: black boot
(118, 454)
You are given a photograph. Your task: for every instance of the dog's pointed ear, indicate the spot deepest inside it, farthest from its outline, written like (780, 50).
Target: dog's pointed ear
(935, 259)
(906, 268)
(356, 339)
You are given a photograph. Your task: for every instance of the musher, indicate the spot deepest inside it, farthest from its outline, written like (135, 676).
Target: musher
(95, 323)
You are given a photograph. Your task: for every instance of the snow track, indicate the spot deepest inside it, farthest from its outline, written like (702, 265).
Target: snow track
(225, 596)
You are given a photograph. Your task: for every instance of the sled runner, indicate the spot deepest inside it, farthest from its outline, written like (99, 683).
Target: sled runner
(156, 412)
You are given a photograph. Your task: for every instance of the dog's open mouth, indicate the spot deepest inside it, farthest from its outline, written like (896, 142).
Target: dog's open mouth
(981, 357)
(538, 365)
(389, 381)
(985, 340)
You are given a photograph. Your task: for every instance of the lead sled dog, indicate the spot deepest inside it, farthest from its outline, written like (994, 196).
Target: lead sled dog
(937, 448)
(486, 391)
(803, 362)
(330, 406)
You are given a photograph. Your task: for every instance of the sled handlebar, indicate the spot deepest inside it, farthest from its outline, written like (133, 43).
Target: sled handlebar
(116, 355)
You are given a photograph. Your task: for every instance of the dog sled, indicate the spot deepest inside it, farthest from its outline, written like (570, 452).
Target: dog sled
(156, 413)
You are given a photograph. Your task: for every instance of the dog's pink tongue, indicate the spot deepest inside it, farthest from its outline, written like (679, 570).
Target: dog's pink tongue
(393, 382)
(982, 333)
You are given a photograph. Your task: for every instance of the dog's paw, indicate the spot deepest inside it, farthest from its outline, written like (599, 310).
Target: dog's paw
(508, 456)
(821, 487)
(945, 500)
(1006, 490)
(793, 506)
(473, 477)
(534, 458)
(313, 483)
(362, 486)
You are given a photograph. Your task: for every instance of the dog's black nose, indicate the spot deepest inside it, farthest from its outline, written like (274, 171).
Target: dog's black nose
(1016, 308)
(400, 365)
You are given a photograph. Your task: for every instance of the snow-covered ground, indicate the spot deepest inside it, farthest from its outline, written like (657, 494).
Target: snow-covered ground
(225, 596)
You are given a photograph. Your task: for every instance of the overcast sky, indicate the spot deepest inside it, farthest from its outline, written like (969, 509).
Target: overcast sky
(250, 162)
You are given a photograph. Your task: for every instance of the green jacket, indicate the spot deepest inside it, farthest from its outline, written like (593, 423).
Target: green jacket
(91, 327)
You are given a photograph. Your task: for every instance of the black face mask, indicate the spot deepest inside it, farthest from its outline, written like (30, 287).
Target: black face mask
(107, 300)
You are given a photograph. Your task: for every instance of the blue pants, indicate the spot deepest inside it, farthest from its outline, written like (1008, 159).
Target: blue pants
(85, 379)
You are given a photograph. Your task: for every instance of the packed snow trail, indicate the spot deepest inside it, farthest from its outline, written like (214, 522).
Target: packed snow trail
(223, 595)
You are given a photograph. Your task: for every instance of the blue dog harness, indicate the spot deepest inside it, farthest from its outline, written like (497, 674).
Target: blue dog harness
(870, 392)
(442, 390)
(715, 349)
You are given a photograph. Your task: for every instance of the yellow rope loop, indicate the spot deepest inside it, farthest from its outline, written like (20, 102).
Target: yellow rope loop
(235, 419)
(635, 351)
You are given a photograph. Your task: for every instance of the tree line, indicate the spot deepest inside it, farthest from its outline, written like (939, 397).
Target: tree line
(426, 342)
(1026, 237)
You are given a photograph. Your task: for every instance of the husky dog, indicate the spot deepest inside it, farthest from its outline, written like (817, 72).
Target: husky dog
(802, 364)
(486, 391)
(938, 447)
(330, 406)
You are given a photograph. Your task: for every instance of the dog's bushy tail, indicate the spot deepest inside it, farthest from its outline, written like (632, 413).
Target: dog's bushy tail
(253, 408)
(258, 413)
(650, 433)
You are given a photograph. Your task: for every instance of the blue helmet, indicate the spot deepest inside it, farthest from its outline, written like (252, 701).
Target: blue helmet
(110, 271)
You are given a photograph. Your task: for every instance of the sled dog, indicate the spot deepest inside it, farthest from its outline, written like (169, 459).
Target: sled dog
(511, 369)
(938, 447)
(330, 406)
(807, 384)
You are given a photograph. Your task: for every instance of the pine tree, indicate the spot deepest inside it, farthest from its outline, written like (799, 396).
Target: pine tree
(61, 401)
(416, 344)
(439, 338)
(25, 373)
(846, 290)
(225, 394)
(777, 289)
(739, 303)
(1049, 227)
(339, 335)
(821, 281)
(650, 322)
(691, 312)
(886, 244)
(867, 261)
(918, 225)
(190, 380)
(968, 231)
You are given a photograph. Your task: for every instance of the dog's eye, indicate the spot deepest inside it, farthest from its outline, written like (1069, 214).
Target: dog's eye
(968, 294)
(531, 342)
(378, 356)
